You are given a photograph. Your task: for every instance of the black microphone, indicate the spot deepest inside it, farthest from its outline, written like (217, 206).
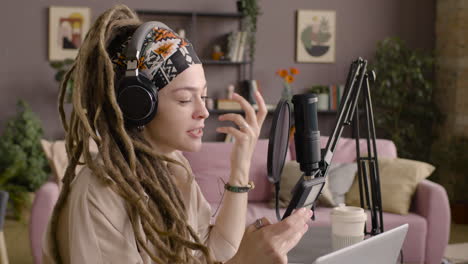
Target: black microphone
(308, 154)
(307, 136)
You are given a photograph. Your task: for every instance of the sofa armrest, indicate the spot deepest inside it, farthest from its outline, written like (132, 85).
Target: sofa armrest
(41, 210)
(431, 202)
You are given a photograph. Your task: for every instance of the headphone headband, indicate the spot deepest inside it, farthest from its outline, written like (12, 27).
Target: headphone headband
(134, 46)
(137, 94)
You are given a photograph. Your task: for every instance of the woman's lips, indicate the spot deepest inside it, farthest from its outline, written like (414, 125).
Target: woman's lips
(196, 133)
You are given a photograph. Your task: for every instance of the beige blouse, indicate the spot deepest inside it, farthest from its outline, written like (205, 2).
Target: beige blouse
(94, 226)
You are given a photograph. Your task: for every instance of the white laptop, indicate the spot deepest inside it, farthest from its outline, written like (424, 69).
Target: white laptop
(383, 249)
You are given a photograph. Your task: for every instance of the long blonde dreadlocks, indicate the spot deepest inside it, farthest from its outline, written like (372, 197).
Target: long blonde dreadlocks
(127, 158)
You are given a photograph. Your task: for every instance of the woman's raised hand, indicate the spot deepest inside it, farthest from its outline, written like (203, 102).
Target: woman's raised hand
(271, 243)
(245, 135)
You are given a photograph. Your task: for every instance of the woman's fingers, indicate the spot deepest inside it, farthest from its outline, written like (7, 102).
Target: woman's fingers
(239, 121)
(262, 110)
(252, 120)
(256, 226)
(230, 130)
(247, 107)
(291, 229)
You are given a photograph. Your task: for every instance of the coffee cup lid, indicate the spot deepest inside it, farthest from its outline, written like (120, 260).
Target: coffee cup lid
(343, 210)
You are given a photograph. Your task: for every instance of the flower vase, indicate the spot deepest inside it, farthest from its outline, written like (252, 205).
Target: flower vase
(287, 93)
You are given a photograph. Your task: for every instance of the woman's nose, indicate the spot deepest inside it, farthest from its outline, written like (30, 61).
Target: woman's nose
(201, 112)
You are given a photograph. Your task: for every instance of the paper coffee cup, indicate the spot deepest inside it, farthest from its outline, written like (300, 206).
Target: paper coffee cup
(347, 225)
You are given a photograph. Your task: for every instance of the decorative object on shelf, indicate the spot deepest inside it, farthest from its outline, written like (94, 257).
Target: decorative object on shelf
(217, 53)
(315, 36)
(230, 91)
(23, 164)
(322, 94)
(209, 103)
(67, 29)
(288, 79)
(62, 67)
(251, 10)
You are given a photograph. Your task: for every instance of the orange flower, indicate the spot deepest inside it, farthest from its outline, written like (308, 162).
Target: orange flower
(289, 79)
(282, 73)
(294, 71)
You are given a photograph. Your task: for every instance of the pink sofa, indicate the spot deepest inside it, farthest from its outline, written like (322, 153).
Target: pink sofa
(429, 219)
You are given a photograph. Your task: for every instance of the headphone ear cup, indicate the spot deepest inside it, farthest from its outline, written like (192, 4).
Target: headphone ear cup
(137, 97)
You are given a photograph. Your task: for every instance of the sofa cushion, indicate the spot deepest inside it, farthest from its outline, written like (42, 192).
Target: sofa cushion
(339, 180)
(211, 166)
(398, 181)
(57, 157)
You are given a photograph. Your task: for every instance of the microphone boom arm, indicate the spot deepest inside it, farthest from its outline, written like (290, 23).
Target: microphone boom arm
(308, 188)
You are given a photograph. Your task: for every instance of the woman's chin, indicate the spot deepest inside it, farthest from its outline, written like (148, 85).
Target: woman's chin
(192, 146)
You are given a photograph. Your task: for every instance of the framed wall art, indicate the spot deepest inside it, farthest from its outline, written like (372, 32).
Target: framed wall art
(315, 36)
(67, 29)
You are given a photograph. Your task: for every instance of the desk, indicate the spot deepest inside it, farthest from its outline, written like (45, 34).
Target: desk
(316, 242)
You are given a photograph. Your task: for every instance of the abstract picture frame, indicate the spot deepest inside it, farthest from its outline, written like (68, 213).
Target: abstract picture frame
(315, 36)
(67, 29)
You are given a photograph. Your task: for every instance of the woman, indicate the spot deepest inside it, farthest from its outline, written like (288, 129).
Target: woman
(136, 200)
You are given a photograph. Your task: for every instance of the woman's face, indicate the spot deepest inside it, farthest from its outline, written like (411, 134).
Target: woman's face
(179, 120)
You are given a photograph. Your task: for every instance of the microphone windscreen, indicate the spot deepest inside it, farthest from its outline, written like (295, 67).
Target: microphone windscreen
(278, 141)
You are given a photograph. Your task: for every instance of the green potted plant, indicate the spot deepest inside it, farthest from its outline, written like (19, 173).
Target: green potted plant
(405, 112)
(403, 98)
(62, 67)
(23, 164)
(323, 97)
(250, 10)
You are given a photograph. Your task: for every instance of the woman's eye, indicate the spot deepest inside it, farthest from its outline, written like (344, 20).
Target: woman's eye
(203, 98)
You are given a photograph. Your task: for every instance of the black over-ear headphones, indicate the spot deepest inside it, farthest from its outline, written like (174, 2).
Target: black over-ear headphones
(137, 95)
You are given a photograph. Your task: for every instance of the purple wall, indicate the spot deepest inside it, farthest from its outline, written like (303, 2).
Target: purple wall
(25, 71)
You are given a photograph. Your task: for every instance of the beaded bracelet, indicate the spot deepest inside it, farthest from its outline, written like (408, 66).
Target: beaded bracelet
(239, 189)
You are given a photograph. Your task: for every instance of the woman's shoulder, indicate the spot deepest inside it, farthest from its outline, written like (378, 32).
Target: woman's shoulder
(97, 196)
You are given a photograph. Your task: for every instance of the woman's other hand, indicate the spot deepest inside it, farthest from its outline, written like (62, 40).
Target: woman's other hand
(272, 242)
(245, 136)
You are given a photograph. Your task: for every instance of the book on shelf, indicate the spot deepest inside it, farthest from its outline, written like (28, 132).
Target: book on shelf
(235, 47)
(227, 104)
(335, 94)
(333, 97)
(242, 43)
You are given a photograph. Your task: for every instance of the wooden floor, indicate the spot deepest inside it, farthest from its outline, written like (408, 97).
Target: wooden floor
(17, 242)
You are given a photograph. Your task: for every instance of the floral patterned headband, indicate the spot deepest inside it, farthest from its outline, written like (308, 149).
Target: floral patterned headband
(163, 56)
